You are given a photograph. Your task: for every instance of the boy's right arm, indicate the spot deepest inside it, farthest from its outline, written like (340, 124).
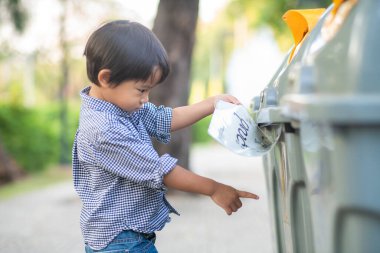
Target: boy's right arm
(187, 115)
(225, 196)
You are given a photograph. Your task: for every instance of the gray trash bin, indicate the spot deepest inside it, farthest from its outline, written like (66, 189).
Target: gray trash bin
(323, 175)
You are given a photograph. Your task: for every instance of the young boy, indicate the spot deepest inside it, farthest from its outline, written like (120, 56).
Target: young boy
(118, 175)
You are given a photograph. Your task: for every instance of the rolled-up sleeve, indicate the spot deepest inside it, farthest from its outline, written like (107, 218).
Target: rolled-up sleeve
(157, 120)
(118, 152)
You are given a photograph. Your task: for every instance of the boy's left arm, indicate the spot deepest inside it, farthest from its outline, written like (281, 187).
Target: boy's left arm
(187, 115)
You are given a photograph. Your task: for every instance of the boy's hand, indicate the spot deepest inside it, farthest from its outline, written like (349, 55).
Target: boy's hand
(226, 98)
(228, 197)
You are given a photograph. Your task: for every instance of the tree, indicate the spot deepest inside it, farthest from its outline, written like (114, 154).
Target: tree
(175, 25)
(63, 85)
(9, 169)
(16, 12)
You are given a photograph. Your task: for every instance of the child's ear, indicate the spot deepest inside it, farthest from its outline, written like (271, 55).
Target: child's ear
(104, 77)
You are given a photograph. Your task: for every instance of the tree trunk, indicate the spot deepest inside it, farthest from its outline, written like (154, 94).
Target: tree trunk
(9, 170)
(63, 85)
(175, 25)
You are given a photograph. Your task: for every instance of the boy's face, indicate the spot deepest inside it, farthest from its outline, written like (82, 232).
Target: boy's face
(129, 95)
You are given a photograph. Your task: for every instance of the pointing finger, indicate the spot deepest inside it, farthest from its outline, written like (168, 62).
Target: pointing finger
(244, 194)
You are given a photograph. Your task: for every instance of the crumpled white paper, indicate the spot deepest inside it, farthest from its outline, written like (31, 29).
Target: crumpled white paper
(233, 127)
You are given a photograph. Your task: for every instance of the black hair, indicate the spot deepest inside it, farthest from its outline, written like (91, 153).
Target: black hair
(128, 49)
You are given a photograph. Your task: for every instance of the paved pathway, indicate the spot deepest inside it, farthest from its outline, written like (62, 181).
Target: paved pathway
(47, 220)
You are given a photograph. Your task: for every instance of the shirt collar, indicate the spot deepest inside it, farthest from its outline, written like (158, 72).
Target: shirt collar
(100, 105)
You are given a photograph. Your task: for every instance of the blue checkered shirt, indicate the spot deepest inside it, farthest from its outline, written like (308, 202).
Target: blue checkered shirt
(117, 173)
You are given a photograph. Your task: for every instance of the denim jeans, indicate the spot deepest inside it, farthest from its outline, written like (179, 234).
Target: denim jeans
(129, 241)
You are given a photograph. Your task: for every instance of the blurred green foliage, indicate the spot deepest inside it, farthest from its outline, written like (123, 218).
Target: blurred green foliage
(269, 13)
(199, 131)
(14, 10)
(31, 136)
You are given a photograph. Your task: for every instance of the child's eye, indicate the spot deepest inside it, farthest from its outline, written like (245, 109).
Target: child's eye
(141, 90)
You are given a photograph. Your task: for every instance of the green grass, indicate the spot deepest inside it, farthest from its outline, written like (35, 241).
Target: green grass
(35, 181)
